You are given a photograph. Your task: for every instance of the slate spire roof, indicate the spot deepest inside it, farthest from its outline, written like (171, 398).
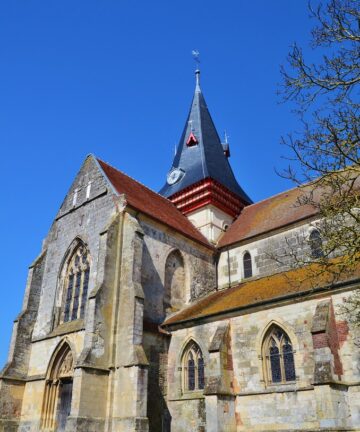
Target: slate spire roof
(200, 154)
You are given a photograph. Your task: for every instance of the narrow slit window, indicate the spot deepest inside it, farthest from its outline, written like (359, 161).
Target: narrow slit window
(247, 265)
(316, 245)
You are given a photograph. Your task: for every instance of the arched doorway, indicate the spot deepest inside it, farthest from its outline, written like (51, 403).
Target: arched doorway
(58, 390)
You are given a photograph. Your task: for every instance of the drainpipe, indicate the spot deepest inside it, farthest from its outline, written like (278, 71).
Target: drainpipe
(216, 261)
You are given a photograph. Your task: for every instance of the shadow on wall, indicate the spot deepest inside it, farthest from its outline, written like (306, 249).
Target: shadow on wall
(153, 289)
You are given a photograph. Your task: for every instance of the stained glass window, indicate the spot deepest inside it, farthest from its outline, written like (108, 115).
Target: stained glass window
(76, 281)
(279, 357)
(201, 376)
(191, 373)
(68, 297)
(275, 364)
(247, 265)
(84, 293)
(289, 366)
(193, 368)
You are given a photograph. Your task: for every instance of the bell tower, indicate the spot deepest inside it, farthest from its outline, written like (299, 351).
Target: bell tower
(201, 182)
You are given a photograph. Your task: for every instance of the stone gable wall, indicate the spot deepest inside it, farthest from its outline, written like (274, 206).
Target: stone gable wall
(85, 220)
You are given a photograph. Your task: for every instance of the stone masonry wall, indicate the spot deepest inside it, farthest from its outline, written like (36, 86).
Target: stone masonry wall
(84, 218)
(199, 266)
(263, 251)
(302, 405)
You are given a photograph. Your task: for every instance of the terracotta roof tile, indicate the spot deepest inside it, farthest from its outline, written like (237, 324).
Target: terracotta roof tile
(152, 204)
(272, 213)
(255, 292)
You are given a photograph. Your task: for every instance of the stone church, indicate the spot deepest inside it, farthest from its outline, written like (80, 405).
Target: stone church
(165, 312)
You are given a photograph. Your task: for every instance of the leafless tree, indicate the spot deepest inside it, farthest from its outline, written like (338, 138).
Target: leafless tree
(326, 153)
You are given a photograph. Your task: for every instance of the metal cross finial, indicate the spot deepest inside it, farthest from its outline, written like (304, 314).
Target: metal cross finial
(196, 56)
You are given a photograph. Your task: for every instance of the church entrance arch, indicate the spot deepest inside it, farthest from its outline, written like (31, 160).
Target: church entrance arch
(58, 390)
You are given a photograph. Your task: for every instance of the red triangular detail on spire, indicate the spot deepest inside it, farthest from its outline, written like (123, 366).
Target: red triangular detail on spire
(191, 140)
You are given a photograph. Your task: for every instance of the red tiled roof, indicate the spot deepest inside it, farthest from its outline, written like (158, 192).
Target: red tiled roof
(152, 204)
(272, 213)
(266, 289)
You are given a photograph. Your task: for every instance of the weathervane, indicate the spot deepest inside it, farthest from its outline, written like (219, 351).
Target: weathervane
(196, 56)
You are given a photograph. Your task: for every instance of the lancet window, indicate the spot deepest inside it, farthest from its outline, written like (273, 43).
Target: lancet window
(193, 368)
(76, 284)
(247, 265)
(278, 356)
(316, 246)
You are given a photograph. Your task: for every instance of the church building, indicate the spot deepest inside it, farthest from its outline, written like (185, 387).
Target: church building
(166, 312)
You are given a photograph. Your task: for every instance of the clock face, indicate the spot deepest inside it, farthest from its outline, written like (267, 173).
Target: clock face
(174, 176)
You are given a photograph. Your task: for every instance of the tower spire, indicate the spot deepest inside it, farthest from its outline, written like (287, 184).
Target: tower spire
(201, 175)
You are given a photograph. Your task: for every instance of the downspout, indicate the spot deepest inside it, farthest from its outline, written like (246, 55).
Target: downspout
(216, 260)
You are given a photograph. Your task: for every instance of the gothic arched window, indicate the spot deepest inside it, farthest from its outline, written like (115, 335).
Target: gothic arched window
(316, 246)
(193, 368)
(247, 265)
(278, 356)
(76, 284)
(174, 282)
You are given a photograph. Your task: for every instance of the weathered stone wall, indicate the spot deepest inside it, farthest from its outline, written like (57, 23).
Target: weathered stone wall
(156, 349)
(11, 395)
(84, 218)
(12, 383)
(199, 267)
(41, 353)
(199, 278)
(311, 403)
(263, 252)
(85, 213)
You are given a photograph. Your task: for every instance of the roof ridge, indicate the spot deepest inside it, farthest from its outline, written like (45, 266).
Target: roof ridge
(274, 196)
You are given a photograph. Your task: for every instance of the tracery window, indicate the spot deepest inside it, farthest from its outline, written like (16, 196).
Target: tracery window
(76, 284)
(247, 265)
(193, 368)
(316, 246)
(278, 356)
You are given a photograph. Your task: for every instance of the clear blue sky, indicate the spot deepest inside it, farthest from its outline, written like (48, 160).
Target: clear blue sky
(115, 78)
